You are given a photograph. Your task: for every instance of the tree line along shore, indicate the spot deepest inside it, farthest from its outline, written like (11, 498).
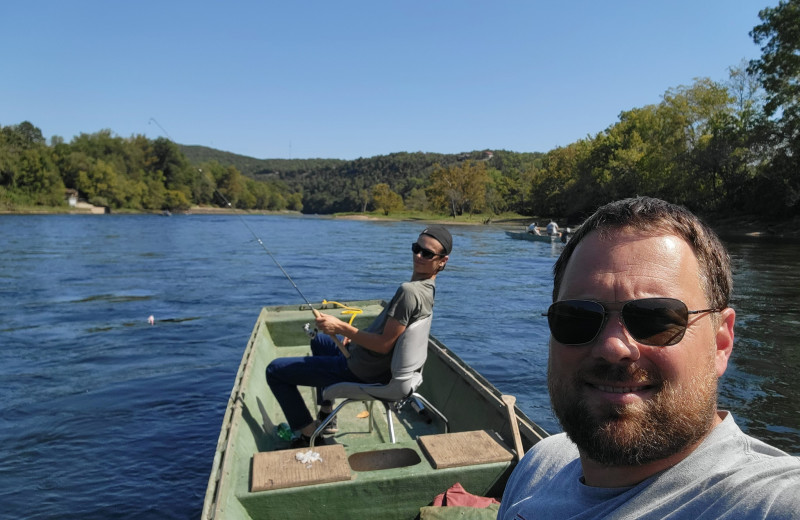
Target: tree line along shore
(728, 149)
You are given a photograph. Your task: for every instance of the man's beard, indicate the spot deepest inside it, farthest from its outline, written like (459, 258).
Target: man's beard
(676, 417)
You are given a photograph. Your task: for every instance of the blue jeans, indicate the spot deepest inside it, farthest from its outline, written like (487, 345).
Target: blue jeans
(326, 366)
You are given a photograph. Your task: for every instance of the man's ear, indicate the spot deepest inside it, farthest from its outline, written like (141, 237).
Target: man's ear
(724, 339)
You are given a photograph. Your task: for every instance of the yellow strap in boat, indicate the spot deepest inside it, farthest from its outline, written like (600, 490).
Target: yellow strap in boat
(352, 311)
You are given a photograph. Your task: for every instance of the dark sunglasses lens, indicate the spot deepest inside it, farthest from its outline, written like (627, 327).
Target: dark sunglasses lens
(575, 322)
(426, 253)
(657, 322)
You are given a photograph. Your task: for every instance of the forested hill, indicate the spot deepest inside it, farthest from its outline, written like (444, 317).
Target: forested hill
(335, 185)
(251, 166)
(415, 181)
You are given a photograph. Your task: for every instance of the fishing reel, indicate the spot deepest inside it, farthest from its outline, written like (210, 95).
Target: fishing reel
(311, 333)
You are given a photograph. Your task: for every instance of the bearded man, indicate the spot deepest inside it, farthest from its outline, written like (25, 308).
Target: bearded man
(641, 331)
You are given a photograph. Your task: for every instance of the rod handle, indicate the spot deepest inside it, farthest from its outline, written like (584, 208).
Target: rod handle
(333, 336)
(510, 400)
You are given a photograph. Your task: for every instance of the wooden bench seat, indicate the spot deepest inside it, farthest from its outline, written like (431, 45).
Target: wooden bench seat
(281, 469)
(451, 450)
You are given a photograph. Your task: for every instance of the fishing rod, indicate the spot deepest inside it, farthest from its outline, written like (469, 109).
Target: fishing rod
(153, 120)
(227, 202)
(296, 288)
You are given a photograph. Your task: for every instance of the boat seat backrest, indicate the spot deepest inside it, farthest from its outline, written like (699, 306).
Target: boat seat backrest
(411, 349)
(408, 357)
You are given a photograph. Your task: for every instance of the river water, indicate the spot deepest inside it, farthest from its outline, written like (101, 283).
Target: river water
(103, 415)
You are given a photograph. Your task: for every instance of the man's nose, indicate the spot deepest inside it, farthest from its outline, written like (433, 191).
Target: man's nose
(614, 343)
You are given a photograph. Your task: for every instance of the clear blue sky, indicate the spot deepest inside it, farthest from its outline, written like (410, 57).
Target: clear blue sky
(348, 79)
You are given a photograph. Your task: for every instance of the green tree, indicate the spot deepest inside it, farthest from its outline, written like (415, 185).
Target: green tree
(154, 194)
(38, 177)
(553, 186)
(673, 150)
(99, 183)
(779, 71)
(27, 169)
(22, 136)
(779, 65)
(459, 188)
(691, 108)
(688, 114)
(748, 96)
(232, 185)
(203, 186)
(416, 200)
(178, 173)
(176, 200)
(294, 201)
(384, 199)
(476, 185)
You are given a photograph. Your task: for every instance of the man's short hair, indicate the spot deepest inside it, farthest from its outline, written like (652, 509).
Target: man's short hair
(656, 216)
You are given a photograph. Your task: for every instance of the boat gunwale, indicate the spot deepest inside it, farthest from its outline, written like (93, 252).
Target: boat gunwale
(229, 424)
(484, 386)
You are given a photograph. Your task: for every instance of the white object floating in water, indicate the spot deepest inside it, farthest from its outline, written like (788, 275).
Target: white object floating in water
(151, 320)
(308, 457)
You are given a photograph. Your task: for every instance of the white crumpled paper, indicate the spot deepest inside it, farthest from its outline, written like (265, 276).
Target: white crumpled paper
(308, 457)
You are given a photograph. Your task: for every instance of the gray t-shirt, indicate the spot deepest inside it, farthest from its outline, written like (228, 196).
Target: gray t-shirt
(730, 475)
(412, 301)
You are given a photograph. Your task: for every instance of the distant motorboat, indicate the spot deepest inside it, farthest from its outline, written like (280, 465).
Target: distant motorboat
(531, 237)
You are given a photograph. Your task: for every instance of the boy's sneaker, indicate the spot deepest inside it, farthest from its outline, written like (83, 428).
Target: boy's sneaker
(300, 442)
(332, 426)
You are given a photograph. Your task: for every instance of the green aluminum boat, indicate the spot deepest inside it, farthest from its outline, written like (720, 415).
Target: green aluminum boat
(361, 474)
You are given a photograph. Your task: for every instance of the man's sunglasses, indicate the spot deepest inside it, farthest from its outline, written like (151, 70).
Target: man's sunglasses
(426, 253)
(657, 322)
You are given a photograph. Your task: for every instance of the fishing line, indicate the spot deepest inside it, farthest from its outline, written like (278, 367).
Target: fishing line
(153, 120)
(296, 288)
(264, 247)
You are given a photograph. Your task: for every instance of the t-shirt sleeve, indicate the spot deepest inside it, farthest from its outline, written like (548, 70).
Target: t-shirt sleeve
(404, 305)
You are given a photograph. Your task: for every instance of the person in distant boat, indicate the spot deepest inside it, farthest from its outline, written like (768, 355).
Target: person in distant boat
(370, 349)
(565, 235)
(552, 228)
(533, 229)
(640, 332)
